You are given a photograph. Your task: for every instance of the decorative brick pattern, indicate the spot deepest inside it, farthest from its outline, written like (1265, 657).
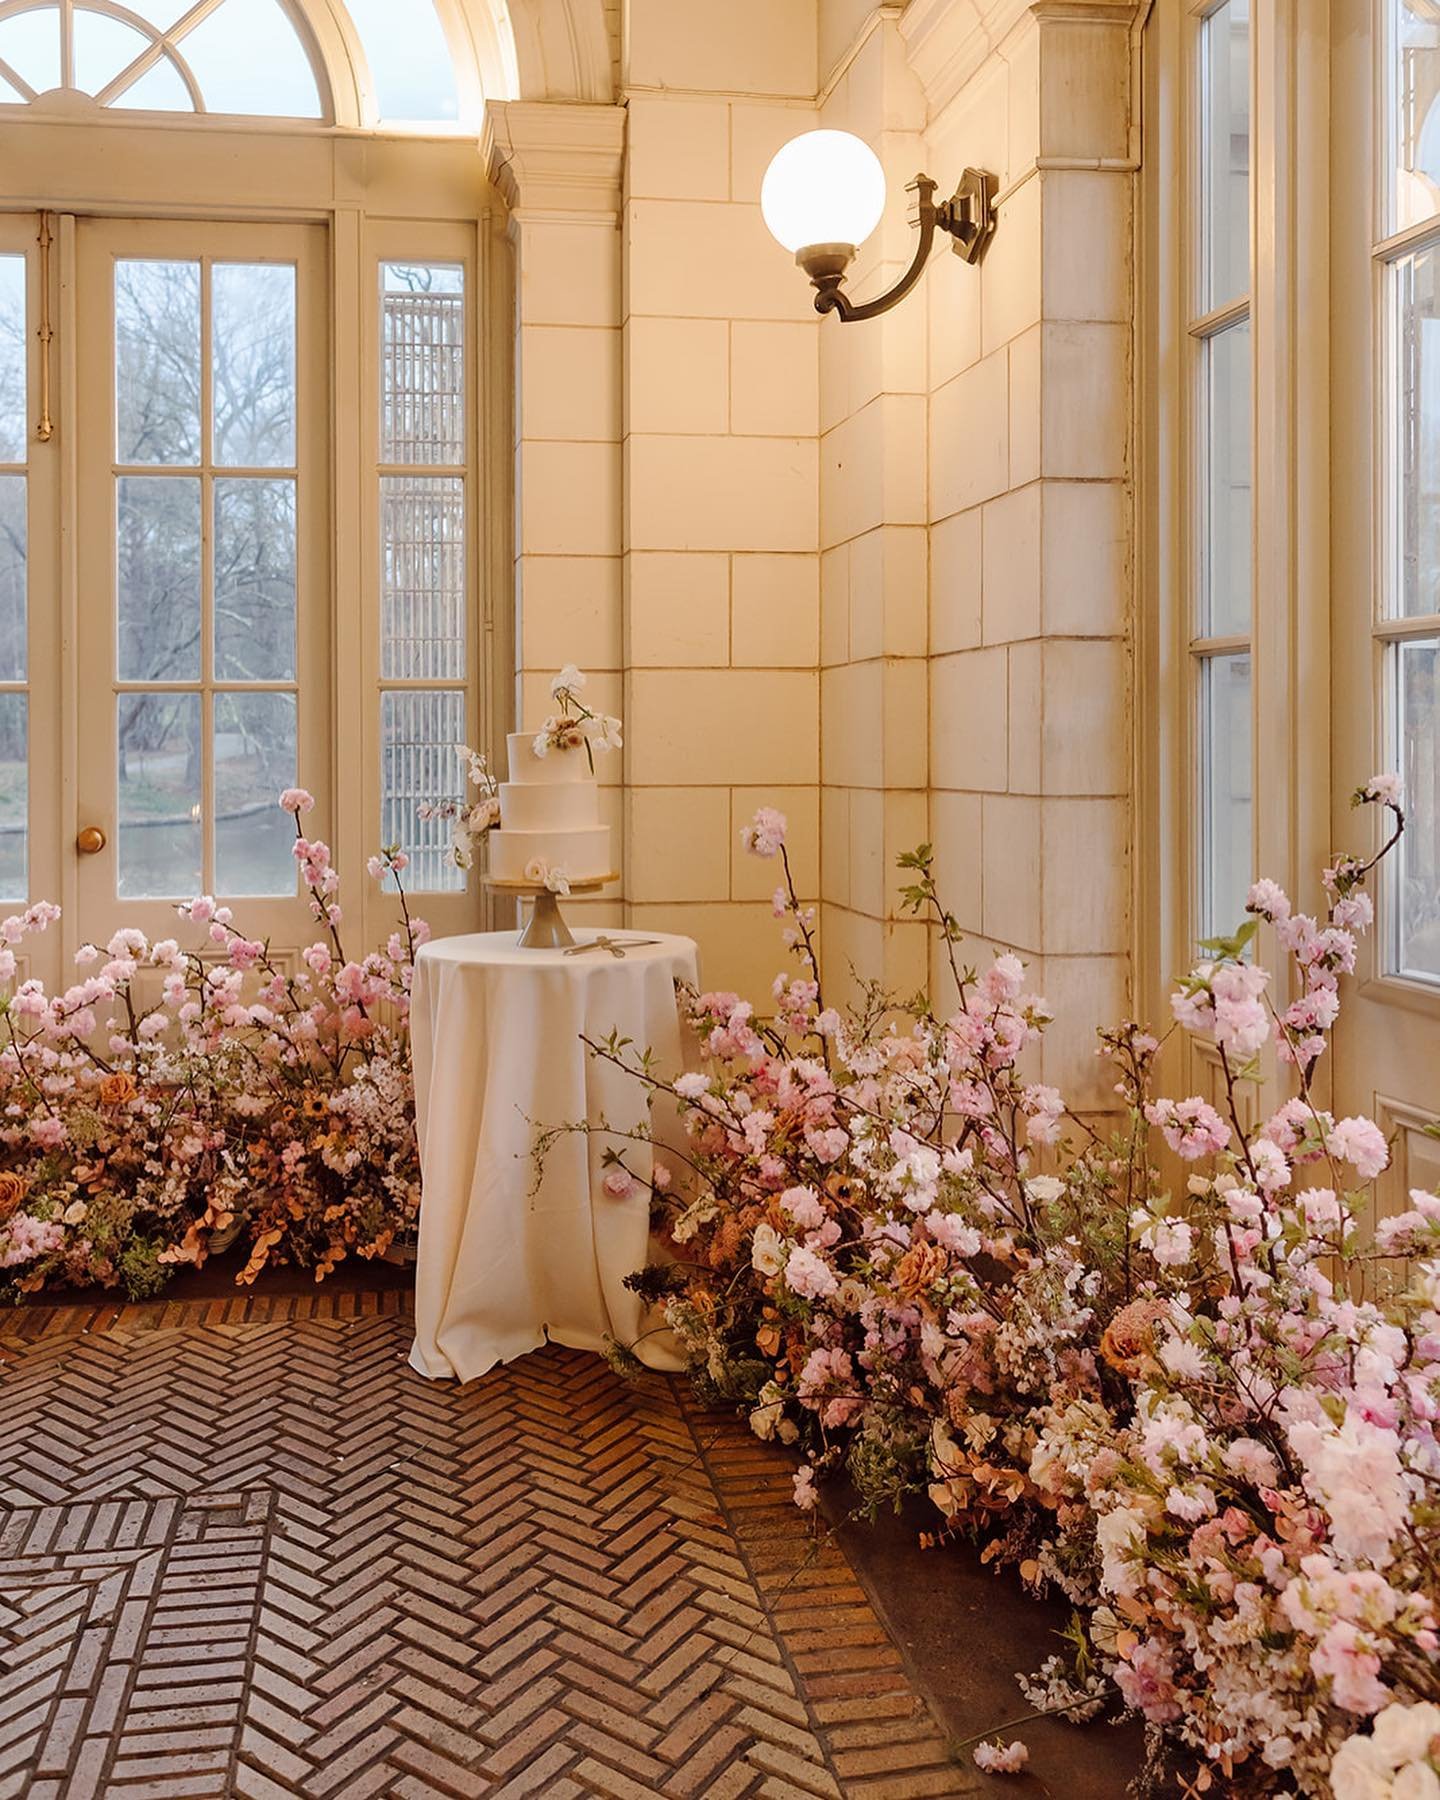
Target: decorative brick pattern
(263, 1558)
(125, 1637)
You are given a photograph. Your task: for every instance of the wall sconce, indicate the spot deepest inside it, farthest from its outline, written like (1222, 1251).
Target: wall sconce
(824, 193)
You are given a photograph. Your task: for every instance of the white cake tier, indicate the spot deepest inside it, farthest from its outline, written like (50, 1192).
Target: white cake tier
(583, 855)
(553, 767)
(565, 806)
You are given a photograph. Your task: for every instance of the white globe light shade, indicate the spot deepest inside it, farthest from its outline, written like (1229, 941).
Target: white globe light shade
(823, 187)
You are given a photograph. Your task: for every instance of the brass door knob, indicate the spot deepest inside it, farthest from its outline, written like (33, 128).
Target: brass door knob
(90, 841)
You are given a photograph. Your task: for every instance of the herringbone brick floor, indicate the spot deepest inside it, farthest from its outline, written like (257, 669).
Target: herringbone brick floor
(245, 1556)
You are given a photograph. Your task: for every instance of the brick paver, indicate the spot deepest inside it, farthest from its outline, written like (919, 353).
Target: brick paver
(245, 1552)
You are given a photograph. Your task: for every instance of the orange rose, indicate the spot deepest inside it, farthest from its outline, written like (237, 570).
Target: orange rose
(920, 1268)
(1129, 1339)
(116, 1089)
(12, 1192)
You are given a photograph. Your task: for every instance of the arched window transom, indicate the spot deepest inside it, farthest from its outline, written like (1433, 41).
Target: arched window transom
(207, 56)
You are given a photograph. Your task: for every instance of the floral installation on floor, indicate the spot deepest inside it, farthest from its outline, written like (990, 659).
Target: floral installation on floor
(1202, 1408)
(175, 1100)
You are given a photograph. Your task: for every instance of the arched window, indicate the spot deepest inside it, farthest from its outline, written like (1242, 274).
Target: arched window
(370, 63)
(218, 56)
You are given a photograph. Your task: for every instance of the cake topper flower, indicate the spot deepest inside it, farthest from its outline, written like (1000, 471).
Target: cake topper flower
(576, 725)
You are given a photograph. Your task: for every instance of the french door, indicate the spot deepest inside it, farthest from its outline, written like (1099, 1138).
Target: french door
(1385, 384)
(247, 471)
(201, 530)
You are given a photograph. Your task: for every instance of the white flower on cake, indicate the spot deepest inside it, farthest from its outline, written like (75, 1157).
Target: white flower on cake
(576, 725)
(538, 871)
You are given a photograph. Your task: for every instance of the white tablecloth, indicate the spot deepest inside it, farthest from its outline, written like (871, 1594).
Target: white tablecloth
(498, 1055)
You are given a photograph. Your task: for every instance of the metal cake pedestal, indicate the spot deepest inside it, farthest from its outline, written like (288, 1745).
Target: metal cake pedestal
(546, 929)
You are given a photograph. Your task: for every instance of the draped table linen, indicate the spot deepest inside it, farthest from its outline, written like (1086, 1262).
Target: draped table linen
(508, 1257)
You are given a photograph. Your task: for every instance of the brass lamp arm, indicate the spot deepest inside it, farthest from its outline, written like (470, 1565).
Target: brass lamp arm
(968, 216)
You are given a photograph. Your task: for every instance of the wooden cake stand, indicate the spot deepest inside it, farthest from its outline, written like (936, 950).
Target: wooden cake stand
(546, 930)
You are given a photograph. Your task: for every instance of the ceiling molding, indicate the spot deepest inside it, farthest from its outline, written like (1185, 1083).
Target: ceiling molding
(948, 41)
(555, 156)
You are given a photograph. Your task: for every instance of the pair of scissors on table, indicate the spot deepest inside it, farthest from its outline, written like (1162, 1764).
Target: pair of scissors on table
(616, 946)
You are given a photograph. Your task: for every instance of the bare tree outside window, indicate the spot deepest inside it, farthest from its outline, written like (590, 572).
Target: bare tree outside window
(206, 531)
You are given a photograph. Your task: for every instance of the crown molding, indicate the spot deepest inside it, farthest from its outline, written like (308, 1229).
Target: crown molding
(555, 156)
(947, 41)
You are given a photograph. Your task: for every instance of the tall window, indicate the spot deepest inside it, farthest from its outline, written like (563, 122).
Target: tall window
(1219, 332)
(205, 510)
(1407, 630)
(14, 648)
(423, 575)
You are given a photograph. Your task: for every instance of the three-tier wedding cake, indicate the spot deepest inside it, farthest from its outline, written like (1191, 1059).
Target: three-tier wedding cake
(549, 832)
(549, 816)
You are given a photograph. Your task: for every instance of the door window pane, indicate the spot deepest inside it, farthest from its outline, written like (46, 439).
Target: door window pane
(1225, 160)
(254, 580)
(14, 407)
(1414, 112)
(14, 799)
(157, 587)
(422, 597)
(418, 736)
(159, 777)
(1225, 595)
(13, 651)
(253, 354)
(157, 362)
(1226, 791)
(422, 377)
(1416, 873)
(1416, 431)
(254, 761)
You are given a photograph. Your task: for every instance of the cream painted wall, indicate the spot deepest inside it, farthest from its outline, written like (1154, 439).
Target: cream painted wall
(877, 574)
(994, 408)
(721, 588)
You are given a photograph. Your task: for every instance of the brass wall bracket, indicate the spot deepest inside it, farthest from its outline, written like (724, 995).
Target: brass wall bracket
(968, 217)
